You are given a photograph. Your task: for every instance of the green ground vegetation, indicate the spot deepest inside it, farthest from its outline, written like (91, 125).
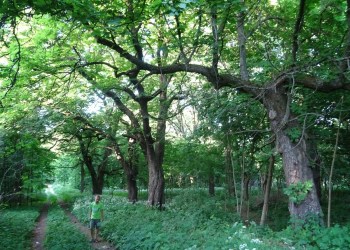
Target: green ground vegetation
(62, 234)
(193, 220)
(16, 227)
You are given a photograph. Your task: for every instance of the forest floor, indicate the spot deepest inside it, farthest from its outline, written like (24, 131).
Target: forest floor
(40, 229)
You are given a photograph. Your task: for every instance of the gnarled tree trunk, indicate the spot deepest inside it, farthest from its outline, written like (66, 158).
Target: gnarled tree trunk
(293, 151)
(156, 184)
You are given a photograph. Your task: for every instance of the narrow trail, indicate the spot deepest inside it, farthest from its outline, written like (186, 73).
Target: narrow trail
(40, 230)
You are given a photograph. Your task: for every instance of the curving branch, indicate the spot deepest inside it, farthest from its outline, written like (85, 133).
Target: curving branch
(221, 81)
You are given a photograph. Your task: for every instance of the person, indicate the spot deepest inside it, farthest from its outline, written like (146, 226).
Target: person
(96, 217)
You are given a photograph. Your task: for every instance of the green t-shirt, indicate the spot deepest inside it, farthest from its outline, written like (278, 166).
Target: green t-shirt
(96, 209)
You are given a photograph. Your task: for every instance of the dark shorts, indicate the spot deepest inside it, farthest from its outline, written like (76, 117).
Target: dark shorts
(95, 223)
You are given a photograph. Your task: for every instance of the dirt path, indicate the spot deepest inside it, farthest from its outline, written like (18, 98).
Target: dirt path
(40, 229)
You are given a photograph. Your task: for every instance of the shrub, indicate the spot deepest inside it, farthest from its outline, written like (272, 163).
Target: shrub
(314, 236)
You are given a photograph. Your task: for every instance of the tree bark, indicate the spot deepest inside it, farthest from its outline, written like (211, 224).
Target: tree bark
(132, 188)
(156, 184)
(293, 150)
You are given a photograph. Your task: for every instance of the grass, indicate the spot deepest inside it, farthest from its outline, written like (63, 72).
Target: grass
(16, 227)
(62, 234)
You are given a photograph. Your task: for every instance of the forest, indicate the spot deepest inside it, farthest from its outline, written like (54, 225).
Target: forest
(203, 124)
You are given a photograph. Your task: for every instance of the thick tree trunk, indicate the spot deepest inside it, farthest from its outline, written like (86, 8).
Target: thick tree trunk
(97, 181)
(96, 187)
(296, 169)
(132, 188)
(267, 190)
(156, 148)
(156, 184)
(293, 150)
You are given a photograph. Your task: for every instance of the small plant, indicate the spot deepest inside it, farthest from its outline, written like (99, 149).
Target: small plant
(297, 192)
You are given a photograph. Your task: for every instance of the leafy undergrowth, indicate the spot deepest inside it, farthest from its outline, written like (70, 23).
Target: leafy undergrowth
(16, 228)
(190, 221)
(62, 234)
(314, 237)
